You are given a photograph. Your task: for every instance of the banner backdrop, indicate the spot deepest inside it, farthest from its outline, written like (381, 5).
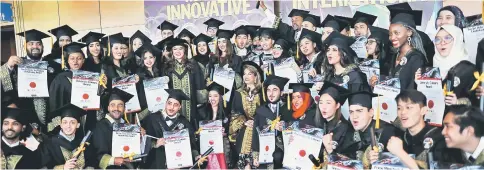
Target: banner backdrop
(191, 14)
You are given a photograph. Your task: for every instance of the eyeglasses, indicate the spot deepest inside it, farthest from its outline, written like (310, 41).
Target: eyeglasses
(278, 48)
(370, 42)
(447, 39)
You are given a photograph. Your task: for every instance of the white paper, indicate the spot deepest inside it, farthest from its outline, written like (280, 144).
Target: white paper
(155, 93)
(285, 69)
(385, 104)
(126, 140)
(431, 86)
(85, 85)
(302, 146)
(473, 35)
(370, 68)
(128, 85)
(267, 145)
(32, 79)
(287, 138)
(178, 149)
(224, 77)
(211, 136)
(360, 47)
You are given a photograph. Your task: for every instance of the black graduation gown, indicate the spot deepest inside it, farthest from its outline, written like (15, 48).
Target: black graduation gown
(383, 134)
(57, 150)
(480, 55)
(306, 119)
(155, 125)
(236, 63)
(352, 79)
(19, 157)
(196, 86)
(463, 79)
(112, 71)
(428, 46)
(102, 139)
(406, 69)
(90, 65)
(202, 59)
(340, 128)
(415, 145)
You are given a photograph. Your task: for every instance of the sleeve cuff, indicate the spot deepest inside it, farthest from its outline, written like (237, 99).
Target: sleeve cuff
(106, 160)
(111, 161)
(59, 167)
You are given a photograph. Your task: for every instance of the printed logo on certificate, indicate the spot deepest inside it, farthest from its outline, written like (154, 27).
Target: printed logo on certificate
(267, 145)
(126, 140)
(84, 90)
(178, 149)
(225, 77)
(155, 93)
(430, 84)
(32, 79)
(128, 85)
(211, 136)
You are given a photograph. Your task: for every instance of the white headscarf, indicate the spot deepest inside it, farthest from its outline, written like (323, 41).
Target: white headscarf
(457, 53)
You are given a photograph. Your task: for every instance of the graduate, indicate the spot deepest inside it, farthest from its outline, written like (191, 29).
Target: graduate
(410, 54)
(348, 25)
(311, 22)
(216, 109)
(113, 67)
(168, 119)
(330, 118)
(166, 52)
(186, 75)
(282, 55)
(212, 30)
(167, 29)
(309, 50)
(330, 24)
(58, 152)
(244, 103)
(203, 52)
(362, 23)
(297, 18)
(9, 73)
(266, 115)
(412, 107)
(339, 66)
(302, 105)
(428, 44)
(463, 127)
(95, 53)
(102, 138)
(137, 40)
(188, 36)
(224, 55)
(15, 155)
(361, 117)
(378, 47)
(267, 38)
(255, 46)
(241, 40)
(149, 69)
(63, 34)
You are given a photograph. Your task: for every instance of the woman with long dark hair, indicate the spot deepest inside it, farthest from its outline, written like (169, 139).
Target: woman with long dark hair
(203, 51)
(149, 69)
(113, 67)
(281, 54)
(95, 52)
(136, 41)
(309, 49)
(224, 55)
(407, 44)
(378, 47)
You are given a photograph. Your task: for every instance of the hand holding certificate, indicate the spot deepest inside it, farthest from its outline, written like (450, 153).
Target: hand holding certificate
(126, 140)
(32, 79)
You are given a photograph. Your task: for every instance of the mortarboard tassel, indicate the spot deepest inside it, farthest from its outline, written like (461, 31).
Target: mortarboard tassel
(126, 117)
(223, 97)
(263, 94)
(51, 42)
(63, 65)
(288, 101)
(25, 42)
(109, 47)
(129, 44)
(193, 51)
(297, 50)
(377, 124)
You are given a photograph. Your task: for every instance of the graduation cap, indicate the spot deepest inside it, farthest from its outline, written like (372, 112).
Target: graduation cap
(404, 6)
(252, 30)
(74, 47)
(20, 115)
(212, 22)
(411, 18)
(91, 37)
(313, 19)
(140, 35)
(268, 32)
(362, 98)
(69, 110)
(147, 47)
(335, 23)
(161, 45)
(186, 33)
(276, 80)
(336, 38)
(301, 87)
(112, 39)
(364, 18)
(165, 25)
(176, 42)
(283, 43)
(251, 63)
(335, 91)
(311, 35)
(347, 21)
(64, 30)
(379, 33)
(297, 12)
(227, 34)
(118, 94)
(218, 88)
(241, 30)
(202, 38)
(33, 35)
(177, 94)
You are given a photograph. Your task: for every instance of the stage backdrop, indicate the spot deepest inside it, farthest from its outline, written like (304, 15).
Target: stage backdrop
(191, 15)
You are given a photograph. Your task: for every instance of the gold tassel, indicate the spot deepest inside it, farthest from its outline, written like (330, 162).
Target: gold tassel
(297, 50)
(263, 94)
(270, 69)
(51, 42)
(377, 124)
(109, 47)
(63, 65)
(129, 44)
(193, 50)
(223, 97)
(126, 117)
(288, 101)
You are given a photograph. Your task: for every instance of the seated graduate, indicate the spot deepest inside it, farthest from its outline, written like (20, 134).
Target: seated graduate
(114, 102)
(14, 154)
(301, 106)
(463, 129)
(412, 107)
(169, 119)
(329, 117)
(270, 115)
(61, 151)
(361, 117)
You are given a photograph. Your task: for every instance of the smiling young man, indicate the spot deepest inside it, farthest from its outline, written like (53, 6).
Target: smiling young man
(168, 119)
(464, 130)
(412, 107)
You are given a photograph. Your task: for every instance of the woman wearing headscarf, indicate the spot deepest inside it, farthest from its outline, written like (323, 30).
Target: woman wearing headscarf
(407, 44)
(244, 103)
(281, 54)
(450, 15)
(302, 105)
(95, 53)
(452, 60)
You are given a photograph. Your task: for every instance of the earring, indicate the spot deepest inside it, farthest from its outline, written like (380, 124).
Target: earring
(409, 39)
